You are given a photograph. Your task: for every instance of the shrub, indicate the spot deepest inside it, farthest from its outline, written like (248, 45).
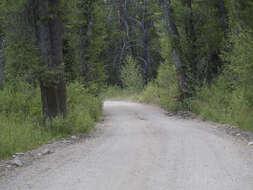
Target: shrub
(131, 76)
(22, 126)
(229, 99)
(163, 90)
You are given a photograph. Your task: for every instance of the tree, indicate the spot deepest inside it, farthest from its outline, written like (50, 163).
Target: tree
(176, 52)
(123, 29)
(1, 63)
(49, 32)
(1, 55)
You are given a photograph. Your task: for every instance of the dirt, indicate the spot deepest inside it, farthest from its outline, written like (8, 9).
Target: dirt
(139, 147)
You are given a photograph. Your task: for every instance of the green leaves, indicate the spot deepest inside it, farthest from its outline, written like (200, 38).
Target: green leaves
(131, 76)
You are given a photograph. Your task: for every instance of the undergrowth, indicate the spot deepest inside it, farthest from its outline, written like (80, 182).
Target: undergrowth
(22, 126)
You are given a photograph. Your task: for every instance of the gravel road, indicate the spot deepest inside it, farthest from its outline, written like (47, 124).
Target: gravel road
(139, 147)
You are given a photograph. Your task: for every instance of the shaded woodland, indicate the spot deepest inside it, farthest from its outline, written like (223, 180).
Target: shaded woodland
(58, 57)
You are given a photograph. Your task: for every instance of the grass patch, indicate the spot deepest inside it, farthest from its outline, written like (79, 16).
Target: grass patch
(117, 93)
(224, 105)
(22, 127)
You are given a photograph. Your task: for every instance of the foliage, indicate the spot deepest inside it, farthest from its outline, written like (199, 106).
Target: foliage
(229, 99)
(106, 45)
(118, 93)
(163, 90)
(131, 76)
(22, 125)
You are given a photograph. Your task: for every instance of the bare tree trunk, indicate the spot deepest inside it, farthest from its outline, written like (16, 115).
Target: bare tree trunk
(146, 54)
(1, 64)
(191, 39)
(176, 55)
(224, 17)
(87, 8)
(50, 31)
(83, 47)
(189, 25)
(122, 12)
(146, 23)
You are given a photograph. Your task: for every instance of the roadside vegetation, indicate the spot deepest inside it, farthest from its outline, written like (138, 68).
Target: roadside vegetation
(60, 58)
(23, 126)
(215, 80)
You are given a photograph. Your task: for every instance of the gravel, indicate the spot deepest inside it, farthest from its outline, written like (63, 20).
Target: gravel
(138, 147)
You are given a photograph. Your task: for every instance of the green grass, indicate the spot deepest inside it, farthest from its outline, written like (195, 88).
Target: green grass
(117, 93)
(19, 136)
(224, 106)
(21, 123)
(215, 103)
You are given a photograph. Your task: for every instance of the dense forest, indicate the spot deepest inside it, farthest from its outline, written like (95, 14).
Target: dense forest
(59, 58)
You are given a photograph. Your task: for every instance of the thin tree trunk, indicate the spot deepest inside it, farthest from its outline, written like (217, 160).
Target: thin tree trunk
(50, 31)
(87, 8)
(146, 55)
(83, 47)
(123, 30)
(146, 22)
(176, 55)
(1, 65)
(191, 39)
(224, 17)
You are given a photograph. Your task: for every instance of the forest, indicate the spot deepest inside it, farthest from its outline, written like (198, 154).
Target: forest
(60, 58)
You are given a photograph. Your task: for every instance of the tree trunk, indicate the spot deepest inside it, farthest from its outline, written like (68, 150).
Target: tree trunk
(176, 55)
(146, 22)
(1, 64)
(224, 18)
(83, 51)
(123, 30)
(193, 73)
(50, 31)
(146, 58)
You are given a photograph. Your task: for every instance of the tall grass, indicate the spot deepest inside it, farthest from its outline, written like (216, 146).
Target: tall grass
(21, 122)
(224, 105)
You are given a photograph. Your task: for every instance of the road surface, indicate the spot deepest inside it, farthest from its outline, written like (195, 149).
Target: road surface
(139, 147)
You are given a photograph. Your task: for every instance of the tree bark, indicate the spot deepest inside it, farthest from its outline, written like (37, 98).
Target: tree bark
(83, 51)
(1, 64)
(146, 22)
(224, 18)
(86, 8)
(122, 12)
(50, 31)
(176, 55)
(191, 39)
(146, 57)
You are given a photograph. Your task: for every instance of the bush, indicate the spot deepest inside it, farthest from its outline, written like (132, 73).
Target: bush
(150, 94)
(20, 99)
(131, 76)
(83, 110)
(21, 116)
(220, 103)
(163, 90)
(230, 98)
(22, 126)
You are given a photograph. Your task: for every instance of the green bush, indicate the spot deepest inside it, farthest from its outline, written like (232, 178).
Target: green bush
(150, 94)
(22, 127)
(164, 90)
(20, 116)
(115, 92)
(221, 103)
(131, 76)
(230, 98)
(20, 99)
(83, 110)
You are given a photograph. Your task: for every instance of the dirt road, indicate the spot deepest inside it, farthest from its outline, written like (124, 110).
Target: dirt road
(138, 147)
